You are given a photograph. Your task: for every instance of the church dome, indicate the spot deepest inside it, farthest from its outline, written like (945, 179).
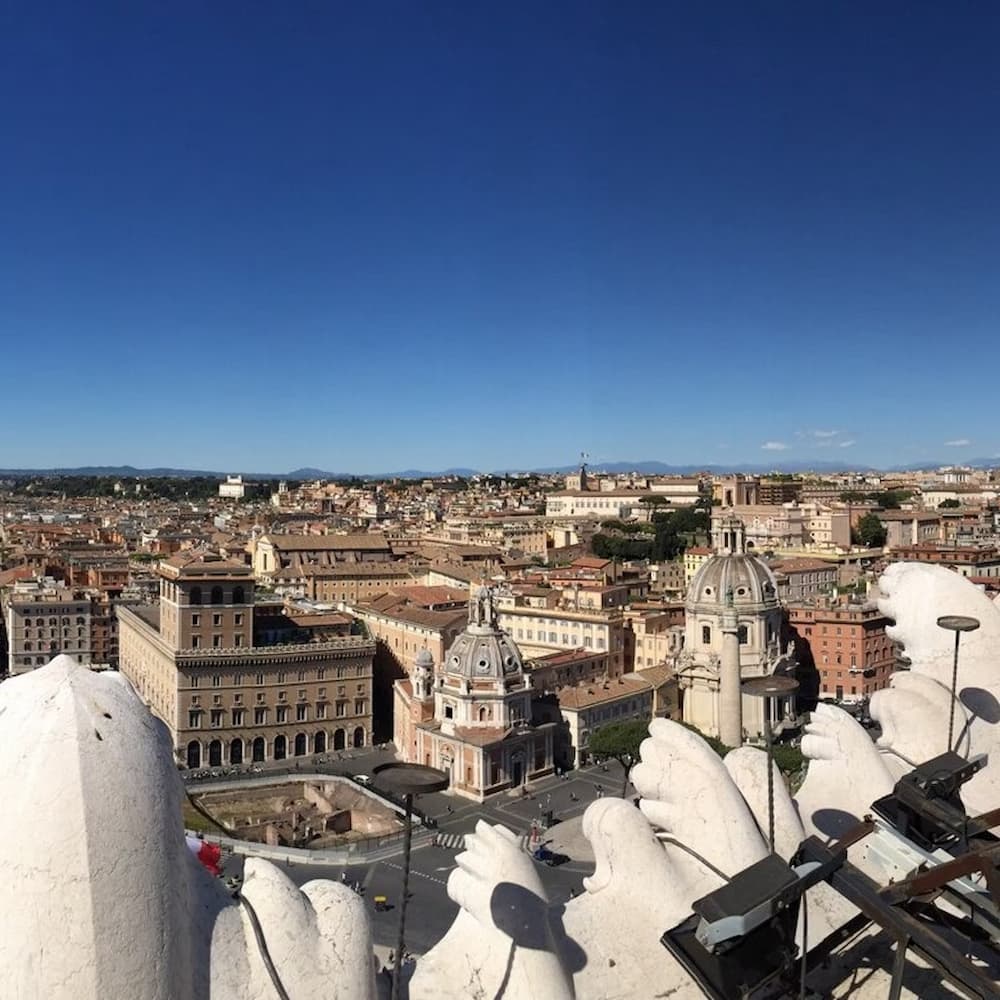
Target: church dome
(749, 582)
(483, 650)
(424, 659)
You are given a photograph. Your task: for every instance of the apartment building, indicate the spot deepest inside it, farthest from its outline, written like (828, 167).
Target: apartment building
(847, 642)
(803, 578)
(275, 552)
(226, 697)
(44, 619)
(587, 707)
(980, 561)
(541, 630)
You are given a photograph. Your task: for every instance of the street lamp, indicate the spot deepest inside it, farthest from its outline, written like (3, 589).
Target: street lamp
(957, 624)
(408, 780)
(768, 687)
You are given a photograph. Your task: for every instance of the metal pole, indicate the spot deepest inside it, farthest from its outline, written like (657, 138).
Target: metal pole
(397, 975)
(954, 691)
(770, 774)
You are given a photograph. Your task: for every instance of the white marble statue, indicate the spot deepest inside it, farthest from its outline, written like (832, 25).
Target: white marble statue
(914, 711)
(501, 944)
(100, 895)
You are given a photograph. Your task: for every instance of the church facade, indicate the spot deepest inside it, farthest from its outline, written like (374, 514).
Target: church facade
(733, 589)
(471, 715)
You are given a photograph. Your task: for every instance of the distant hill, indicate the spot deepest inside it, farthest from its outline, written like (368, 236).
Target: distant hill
(646, 467)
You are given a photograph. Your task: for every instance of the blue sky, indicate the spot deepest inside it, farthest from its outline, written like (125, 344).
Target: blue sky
(258, 236)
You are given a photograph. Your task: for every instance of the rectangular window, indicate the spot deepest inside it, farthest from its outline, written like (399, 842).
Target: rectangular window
(195, 680)
(341, 709)
(260, 716)
(217, 620)
(216, 641)
(282, 695)
(237, 639)
(216, 718)
(321, 711)
(238, 618)
(196, 642)
(216, 680)
(239, 716)
(196, 620)
(301, 713)
(260, 678)
(322, 692)
(359, 706)
(260, 697)
(282, 713)
(194, 719)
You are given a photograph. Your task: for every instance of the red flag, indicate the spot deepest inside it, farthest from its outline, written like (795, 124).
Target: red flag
(208, 854)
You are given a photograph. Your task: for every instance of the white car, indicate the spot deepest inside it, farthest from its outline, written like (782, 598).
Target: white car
(362, 779)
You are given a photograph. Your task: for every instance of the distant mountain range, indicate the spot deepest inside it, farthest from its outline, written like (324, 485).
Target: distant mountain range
(645, 467)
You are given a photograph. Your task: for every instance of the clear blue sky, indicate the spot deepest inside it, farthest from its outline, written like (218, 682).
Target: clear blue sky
(368, 237)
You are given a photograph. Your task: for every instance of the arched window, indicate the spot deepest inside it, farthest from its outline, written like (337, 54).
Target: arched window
(236, 752)
(215, 753)
(339, 740)
(706, 633)
(280, 747)
(301, 745)
(238, 596)
(216, 595)
(259, 749)
(359, 737)
(482, 715)
(194, 754)
(194, 595)
(319, 743)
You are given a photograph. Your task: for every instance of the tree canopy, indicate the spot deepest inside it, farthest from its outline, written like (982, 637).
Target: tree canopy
(870, 532)
(619, 741)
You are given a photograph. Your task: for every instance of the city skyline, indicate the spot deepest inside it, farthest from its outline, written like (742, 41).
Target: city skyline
(376, 240)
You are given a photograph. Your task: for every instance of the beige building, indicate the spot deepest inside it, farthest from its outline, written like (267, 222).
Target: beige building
(44, 619)
(656, 635)
(589, 706)
(622, 504)
(694, 557)
(272, 553)
(405, 623)
(540, 630)
(225, 699)
(347, 583)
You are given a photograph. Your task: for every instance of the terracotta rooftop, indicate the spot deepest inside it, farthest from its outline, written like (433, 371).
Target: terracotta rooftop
(587, 695)
(368, 541)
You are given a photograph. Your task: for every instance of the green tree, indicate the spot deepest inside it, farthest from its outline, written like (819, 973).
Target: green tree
(948, 504)
(870, 532)
(619, 741)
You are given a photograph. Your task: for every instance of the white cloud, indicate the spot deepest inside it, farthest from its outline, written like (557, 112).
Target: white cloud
(958, 443)
(845, 444)
(825, 434)
(774, 446)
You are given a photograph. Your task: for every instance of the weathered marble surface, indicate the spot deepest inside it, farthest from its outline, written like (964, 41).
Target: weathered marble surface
(100, 896)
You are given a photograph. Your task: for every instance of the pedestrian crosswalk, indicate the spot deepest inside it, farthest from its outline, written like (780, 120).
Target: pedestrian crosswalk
(453, 841)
